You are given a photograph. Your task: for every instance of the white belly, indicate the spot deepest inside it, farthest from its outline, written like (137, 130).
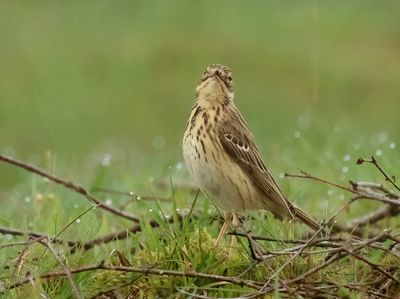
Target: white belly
(219, 177)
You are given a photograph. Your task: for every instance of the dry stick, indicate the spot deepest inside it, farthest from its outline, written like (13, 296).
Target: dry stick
(361, 287)
(393, 202)
(131, 194)
(375, 163)
(360, 194)
(378, 268)
(306, 175)
(320, 242)
(264, 289)
(66, 270)
(22, 255)
(340, 255)
(378, 187)
(302, 248)
(23, 243)
(119, 235)
(17, 232)
(368, 192)
(70, 185)
(161, 272)
(384, 212)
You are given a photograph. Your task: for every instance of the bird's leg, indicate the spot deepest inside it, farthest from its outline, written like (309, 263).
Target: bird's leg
(223, 228)
(235, 224)
(255, 248)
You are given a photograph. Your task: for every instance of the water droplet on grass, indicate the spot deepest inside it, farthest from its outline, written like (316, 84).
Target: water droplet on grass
(346, 157)
(382, 137)
(179, 166)
(138, 197)
(106, 160)
(296, 134)
(378, 152)
(108, 202)
(78, 220)
(28, 199)
(392, 145)
(345, 169)
(324, 204)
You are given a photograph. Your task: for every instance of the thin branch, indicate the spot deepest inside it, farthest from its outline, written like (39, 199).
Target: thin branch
(301, 249)
(66, 270)
(147, 270)
(131, 194)
(340, 255)
(319, 242)
(306, 175)
(86, 245)
(383, 213)
(17, 232)
(70, 185)
(378, 268)
(375, 163)
(369, 193)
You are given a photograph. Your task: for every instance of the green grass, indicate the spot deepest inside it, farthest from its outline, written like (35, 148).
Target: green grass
(98, 93)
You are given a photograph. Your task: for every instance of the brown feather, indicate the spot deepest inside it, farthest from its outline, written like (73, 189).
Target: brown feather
(238, 142)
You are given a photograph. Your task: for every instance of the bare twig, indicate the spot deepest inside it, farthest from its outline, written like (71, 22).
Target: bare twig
(66, 270)
(22, 255)
(17, 232)
(131, 194)
(146, 270)
(370, 193)
(70, 185)
(382, 213)
(305, 175)
(363, 190)
(75, 245)
(340, 255)
(301, 249)
(375, 163)
(119, 235)
(374, 266)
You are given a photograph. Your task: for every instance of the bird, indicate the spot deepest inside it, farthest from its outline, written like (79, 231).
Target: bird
(223, 159)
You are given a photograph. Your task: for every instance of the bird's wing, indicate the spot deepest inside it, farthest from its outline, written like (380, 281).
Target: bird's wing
(239, 143)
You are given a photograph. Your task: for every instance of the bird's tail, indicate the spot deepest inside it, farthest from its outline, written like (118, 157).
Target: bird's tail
(306, 219)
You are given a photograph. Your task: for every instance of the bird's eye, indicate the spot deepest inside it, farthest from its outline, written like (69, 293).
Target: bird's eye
(230, 78)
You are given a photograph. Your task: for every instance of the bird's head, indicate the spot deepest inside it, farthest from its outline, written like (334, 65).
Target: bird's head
(216, 83)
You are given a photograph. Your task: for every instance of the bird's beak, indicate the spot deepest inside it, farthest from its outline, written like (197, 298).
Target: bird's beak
(217, 74)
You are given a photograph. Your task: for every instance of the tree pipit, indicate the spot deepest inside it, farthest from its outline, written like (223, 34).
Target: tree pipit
(222, 156)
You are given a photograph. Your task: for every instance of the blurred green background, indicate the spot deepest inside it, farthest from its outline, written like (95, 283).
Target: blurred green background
(87, 83)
